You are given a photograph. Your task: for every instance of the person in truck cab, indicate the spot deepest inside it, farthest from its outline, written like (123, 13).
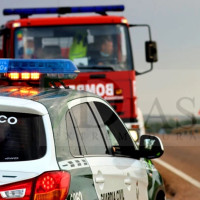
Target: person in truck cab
(29, 49)
(105, 56)
(102, 54)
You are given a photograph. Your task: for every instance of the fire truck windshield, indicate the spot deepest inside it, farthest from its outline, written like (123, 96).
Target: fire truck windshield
(91, 47)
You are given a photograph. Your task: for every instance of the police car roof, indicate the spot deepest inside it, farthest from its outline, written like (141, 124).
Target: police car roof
(45, 96)
(38, 94)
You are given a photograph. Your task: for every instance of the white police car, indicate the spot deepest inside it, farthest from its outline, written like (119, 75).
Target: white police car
(58, 144)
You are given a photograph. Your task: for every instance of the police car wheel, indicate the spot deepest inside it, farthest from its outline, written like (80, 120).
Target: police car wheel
(160, 196)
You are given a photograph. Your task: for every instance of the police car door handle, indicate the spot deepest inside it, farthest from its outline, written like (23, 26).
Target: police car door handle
(127, 181)
(100, 180)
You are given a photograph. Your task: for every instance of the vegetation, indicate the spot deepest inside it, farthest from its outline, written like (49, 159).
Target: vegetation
(164, 124)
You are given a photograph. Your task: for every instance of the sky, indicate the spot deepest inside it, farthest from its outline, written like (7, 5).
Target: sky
(173, 87)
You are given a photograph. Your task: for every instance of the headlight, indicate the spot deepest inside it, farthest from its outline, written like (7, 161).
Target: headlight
(134, 135)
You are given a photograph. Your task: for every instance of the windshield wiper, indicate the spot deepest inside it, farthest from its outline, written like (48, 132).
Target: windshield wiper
(98, 67)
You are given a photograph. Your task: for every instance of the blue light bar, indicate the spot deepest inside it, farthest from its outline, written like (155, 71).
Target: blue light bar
(62, 10)
(29, 11)
(50, 66)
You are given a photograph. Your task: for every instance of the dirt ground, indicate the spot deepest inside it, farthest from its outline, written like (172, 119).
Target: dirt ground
(177, 188)
(184, 155)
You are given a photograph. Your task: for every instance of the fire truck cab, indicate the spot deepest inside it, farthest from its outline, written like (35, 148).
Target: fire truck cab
(99, 45)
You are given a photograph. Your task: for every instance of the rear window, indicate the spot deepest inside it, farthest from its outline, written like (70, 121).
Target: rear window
(22, 137)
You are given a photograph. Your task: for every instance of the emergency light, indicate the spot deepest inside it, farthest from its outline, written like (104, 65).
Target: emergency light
(24, 12)
(28, 69)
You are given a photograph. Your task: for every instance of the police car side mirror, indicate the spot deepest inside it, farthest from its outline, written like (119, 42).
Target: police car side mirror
(150, 147)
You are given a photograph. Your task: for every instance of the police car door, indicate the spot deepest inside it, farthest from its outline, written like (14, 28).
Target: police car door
(114, 177)
(133, 178)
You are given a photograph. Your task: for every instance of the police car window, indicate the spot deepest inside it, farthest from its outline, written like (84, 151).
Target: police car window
(89, 131)
(108, 135)
(117, 134)
(112, 139)
(22, 137)
(72, 136)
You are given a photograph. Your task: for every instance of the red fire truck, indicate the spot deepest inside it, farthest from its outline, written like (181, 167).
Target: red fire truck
(110, 74)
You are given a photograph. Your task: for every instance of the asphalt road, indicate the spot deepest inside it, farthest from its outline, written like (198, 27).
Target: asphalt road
(182, 176)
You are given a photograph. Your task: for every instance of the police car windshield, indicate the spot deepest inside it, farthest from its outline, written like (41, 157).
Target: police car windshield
(88, 46)
(22, 137)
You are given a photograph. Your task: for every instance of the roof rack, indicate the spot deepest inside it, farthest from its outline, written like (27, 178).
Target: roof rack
(26, 12)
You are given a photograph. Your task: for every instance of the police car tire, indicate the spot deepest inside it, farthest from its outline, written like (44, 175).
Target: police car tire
(160, 196)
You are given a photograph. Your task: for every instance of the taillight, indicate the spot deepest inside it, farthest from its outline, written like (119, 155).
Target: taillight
(19, 190)
(49, 185)
(52, 186)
